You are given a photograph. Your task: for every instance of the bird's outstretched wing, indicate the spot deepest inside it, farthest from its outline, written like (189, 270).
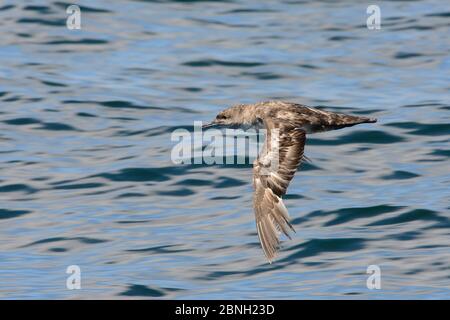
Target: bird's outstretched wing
(272, 172)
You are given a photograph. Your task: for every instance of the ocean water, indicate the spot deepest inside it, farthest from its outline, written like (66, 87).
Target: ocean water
(86, 176)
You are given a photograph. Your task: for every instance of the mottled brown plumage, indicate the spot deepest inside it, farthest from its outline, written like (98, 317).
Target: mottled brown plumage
(287, 125)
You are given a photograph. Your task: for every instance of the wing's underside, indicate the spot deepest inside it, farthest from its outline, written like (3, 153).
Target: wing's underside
(284, 147)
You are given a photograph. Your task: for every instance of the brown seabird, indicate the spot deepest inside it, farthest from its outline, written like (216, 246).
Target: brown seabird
(291, 122)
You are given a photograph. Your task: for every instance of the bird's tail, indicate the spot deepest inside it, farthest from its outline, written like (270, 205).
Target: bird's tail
(345, 120)
(333, 121)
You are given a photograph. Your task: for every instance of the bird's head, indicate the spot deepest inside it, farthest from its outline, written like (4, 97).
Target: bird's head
(234, 116)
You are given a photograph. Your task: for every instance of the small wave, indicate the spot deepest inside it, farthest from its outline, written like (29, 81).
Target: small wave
(53, 84)
(441, 153)
(44, 22)
(439, 14)
(86, 115)
(130, 195)
(406, 236)
(413, 215)
(183, 192)
(57, 126)
(407, 55)
(415, 27)
(7, 7)
(263, 75)
(8, 214)
(315, 247)
(227, 182)
(249, 10)
(39, 9)
(399, 175)
(221, 23)
(145, 174)
(308, 66)
(84, 240)
(214, 62)
(194, 182)
(436, 129)
(341, 38)
(80, 41)
(79, 186)
(17, 187)
(160, 249)
(83, 8)
(345, 215)
(22, 121)
(138, 290)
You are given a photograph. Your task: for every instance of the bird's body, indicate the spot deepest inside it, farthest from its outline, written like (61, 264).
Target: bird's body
(286, 127)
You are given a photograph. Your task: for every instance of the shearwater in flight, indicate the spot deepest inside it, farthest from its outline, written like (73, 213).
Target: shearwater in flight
(291, 122)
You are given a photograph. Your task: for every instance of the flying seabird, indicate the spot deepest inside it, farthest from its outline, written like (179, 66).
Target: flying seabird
(291, 122)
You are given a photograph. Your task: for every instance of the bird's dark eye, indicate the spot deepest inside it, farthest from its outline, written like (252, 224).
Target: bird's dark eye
(221, 117)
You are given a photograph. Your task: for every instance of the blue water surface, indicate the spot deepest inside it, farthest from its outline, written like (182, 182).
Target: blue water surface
(86, 176)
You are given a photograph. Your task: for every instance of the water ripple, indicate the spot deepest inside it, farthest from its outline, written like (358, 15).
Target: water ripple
(86, 170)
